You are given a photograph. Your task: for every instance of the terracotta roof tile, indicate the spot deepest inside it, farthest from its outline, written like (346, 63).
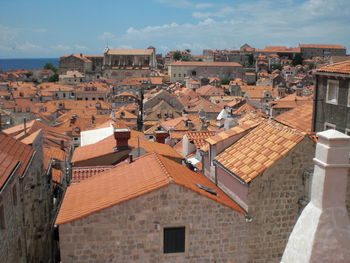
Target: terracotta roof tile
(321, 46)
(127, 181)
(259, 149)
(340, 67)
(81, 173)
(12, 152)
(107, 145)
(205, 64)
(298, 118)
(198, 137)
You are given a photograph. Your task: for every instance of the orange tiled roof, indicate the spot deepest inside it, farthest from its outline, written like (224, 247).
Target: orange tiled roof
(12, 152)
(81, 173)
(198, 137)
(31, 138)
(127, 181)
(257, 92)
(321, 46)
(209, 90)
(291, 101)
(245, 126)
(340, 67)
(52, 153)
(106, 146)
(56, 175)
(298, 118)
(205, 64)
(259, 149)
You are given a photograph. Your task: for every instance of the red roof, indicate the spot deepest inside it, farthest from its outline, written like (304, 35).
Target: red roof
(12, 152)
(205, 64)
(129, 180)
(321, 46)
(340, 67)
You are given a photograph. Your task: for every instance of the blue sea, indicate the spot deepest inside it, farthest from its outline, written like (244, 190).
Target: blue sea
(26, 63)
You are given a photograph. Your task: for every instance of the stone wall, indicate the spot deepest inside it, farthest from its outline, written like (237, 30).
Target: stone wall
(37, 205)
(132, 231)
(12, 242)
(338, 114)
(273, 203)
(27, 233)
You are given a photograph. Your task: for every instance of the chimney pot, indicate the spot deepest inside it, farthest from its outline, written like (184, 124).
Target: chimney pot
(121, 136)
(161, 136)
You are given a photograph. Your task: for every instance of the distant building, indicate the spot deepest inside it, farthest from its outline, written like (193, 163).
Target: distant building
(179, 70)
(311, 50)
(125, 63)
(332, 98)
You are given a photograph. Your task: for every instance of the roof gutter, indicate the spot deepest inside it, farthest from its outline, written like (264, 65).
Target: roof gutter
(331, 74)
(234, 175)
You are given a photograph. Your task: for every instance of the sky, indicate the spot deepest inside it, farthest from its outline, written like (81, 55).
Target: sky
(48, 28)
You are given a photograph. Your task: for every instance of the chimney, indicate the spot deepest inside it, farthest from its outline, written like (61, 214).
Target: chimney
(121, 136)
(322, 232)
(62, 145)
(161, 136)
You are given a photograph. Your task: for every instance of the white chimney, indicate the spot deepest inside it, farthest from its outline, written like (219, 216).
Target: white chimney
(322, 232)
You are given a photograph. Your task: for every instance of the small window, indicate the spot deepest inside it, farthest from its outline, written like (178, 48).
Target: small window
(2, 217)
(14, 195)
(332, 91)
(174, 240)
(19, 109)
(174, 75)
(329, 126)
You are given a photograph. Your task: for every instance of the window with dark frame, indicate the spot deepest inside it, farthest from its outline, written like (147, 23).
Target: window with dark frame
(174, 240)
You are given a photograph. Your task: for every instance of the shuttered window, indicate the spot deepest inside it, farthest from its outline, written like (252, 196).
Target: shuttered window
(174, 240)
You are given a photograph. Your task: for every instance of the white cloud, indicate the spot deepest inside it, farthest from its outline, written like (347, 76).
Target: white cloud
(80, 47)
(186, 4)
(267, 22)
(28, 47)
(106, 36)
(61, 47)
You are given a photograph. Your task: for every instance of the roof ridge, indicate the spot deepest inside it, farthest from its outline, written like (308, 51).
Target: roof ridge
(163, 167)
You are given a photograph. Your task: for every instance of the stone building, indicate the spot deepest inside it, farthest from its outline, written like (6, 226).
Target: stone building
(25, 203)
(322, 232)
(179, 70)
(168, 215)
(265, 168)
(312, 50)
(89, 65)
(125, 63)
(332, 98)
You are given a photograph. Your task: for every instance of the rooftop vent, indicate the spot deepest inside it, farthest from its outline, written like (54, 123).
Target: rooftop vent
(207, 189)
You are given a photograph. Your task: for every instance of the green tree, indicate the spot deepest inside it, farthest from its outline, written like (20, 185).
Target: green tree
(276, 66)
(251, 60)
(177, 56)
(188, 50)
(225, 81)
(297, 60)
(50, 66)
(53, 78)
